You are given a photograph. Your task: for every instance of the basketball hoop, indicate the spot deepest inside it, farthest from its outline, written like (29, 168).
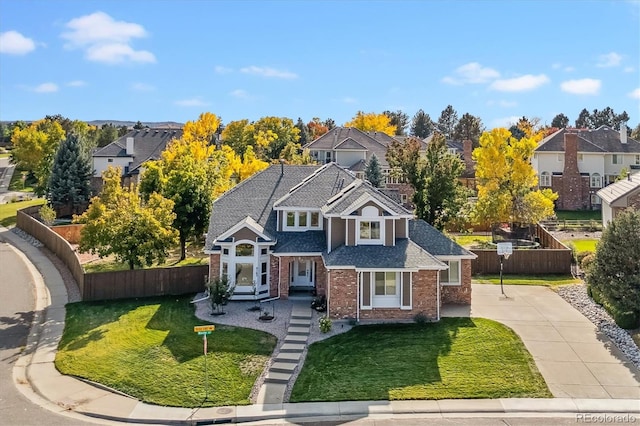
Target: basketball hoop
(504, 251)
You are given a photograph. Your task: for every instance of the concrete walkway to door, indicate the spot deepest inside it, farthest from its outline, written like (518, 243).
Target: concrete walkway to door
(575, 359)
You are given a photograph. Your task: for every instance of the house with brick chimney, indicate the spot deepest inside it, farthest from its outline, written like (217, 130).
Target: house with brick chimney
(577, 163)
(130, 152)
(319, 229)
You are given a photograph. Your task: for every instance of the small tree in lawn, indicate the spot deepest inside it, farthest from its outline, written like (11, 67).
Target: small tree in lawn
(614, 273)
(373, 173)
(69, 181)
(220, 290)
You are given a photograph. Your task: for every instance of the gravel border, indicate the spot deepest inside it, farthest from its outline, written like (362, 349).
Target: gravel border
(577, 296)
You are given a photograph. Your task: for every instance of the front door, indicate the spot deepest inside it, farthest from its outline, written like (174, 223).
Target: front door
(302, 272)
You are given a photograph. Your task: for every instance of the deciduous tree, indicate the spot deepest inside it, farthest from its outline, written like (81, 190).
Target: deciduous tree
(507, 181)
(316, 128)
(235, 135)
(120, 223)
(372, 122)
(293, 153)
(69, 188)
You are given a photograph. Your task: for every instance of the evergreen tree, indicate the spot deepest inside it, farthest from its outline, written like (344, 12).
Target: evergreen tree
(139, 125)
(560, 121)
(469, 127)
(69, 183)
(421, 125)
(398, 119)
(447, 121)
(373, 173)
(304, 132)
(615, 271)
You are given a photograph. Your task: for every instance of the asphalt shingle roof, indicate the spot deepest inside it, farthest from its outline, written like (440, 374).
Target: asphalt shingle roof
(301, 242)
(373, 142)
(148, 144)
(603, 139)
(405, 254)
(255, 197)
(359, 191)
(434, 241)
(316, 189)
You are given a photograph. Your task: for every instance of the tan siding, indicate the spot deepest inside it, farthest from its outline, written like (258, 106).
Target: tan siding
(337, 232)
(401, 228)
(351, 232)
(370, 203)
(388, 229)
(245, 234)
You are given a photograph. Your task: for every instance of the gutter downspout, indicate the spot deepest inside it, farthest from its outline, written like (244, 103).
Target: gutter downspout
(279, 274)
(328, 291)
(358, 296)
(438, 295)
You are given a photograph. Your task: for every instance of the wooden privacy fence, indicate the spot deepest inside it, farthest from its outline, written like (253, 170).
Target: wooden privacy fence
(114, 284)
(528, 262)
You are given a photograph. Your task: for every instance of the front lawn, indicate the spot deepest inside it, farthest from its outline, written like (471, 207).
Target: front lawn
(545, 280)
(582, 244)
(9, 211)
(147, 348)
(579, 215)
(453, 358)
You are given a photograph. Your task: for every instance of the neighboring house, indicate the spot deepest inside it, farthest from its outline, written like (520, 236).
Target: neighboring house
(130, 152)
(352, 148)
(463, 149)
(619, 196)
(576, 163)
(321, 229)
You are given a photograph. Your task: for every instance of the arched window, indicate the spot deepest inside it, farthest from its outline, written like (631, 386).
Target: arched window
(596, 181)
(545, 179)
(244, 250)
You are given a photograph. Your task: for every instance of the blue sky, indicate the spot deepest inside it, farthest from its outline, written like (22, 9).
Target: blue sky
(172, 60)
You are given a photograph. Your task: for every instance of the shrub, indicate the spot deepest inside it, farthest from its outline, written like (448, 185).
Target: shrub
(219, 292)
(325, 324)
(587, 261)
(47, 214)
(420, 318)
(624, 318)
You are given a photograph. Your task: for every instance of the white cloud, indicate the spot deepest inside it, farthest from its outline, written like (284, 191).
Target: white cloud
(14, 43)
(585, 86)
(471, 73)
(629, 69)
(505, 122)
(268, 72)
(219, 69)
(46, 88)
(635, 94)
(564, 68)
(520, 84)
(142, 87)
(349, 100)
(240, 94)
(106, 40)
(192, 102)
(609, 60)
(77, 83)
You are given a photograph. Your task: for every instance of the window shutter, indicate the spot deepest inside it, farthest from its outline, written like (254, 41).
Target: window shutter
(365, 286)
(406, 290)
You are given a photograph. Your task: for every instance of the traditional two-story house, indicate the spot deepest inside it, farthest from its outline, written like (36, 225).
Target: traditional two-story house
(576, 163)
(321, 228)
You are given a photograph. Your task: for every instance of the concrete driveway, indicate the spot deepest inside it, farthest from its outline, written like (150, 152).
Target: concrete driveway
(574, 358)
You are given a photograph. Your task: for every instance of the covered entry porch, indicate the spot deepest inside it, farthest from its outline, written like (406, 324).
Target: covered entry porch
(298, 275)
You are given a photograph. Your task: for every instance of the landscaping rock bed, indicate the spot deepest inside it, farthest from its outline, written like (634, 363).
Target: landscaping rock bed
(577, 296)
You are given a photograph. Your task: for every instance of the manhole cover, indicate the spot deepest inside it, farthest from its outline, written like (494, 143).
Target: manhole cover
(224, 410)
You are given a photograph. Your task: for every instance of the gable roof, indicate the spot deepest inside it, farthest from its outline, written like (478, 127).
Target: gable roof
(255, 198)
(601, 140)
(314, 190)
(622, 188)
(404, 255)
(148, 144)
(434, 241)
(350, 144)
(357, 193)
(374, 142)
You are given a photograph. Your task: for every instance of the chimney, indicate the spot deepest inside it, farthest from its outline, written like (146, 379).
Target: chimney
(129, 146)
(571, 153)
(467, 149)
(335, 137)
(623, 133)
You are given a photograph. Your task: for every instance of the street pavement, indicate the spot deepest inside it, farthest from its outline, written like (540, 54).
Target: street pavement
(36, 377)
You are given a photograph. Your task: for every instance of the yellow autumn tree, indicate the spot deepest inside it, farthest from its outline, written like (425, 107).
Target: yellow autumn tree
(203, 129)
(507, 181)
(241, 167)
(372, 122)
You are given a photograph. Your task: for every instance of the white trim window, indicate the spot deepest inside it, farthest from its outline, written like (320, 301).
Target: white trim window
(616, 159)
(370, 227)
(637, 159)
(596, 180)
(451, 276)
(595, 200)
(302, 220)
(386, 289)
(545, 179)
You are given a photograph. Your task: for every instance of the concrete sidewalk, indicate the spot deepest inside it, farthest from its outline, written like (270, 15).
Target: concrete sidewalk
(36, 376)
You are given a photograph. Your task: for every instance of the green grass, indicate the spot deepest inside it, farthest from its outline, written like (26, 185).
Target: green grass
(5, 154)
(472, 240)
(545, 280)
(8, 212)
(16, 183)
(147, 348)
(583, 244)
(109, 266)
(454, 358)
(579, 215)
